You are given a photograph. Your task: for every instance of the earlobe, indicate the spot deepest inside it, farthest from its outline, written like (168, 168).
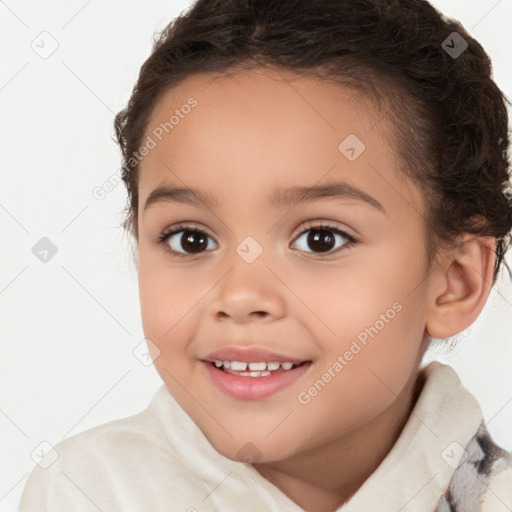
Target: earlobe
(461, 287)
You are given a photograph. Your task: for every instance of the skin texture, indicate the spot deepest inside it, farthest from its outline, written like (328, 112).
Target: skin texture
(251, 133)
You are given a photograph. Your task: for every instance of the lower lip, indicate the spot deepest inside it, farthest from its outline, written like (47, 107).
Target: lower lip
(254, 388)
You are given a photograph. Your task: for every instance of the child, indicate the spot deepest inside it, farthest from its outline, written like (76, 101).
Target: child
(342, 167)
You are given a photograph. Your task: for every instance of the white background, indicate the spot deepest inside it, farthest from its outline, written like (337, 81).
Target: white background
(69, 326)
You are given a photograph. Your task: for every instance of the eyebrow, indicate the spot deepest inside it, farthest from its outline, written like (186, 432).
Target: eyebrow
(280, 198)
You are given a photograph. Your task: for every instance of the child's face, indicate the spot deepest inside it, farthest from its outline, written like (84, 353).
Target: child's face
(357, 313)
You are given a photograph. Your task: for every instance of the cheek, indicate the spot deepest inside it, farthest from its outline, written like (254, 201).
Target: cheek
(361, 374)
(374, 309)
(166, 299)
(352, 295)
(166, 306)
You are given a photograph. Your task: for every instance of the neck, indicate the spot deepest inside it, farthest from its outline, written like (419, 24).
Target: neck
(321, 480)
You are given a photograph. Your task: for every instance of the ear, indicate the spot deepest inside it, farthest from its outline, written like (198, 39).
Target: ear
(461, 286)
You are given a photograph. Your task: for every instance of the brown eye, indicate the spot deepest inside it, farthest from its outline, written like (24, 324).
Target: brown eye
(191, 241)
(323, 239)
(184, 240)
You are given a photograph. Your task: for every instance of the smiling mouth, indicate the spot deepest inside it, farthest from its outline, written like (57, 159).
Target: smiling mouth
(258, 369)
(254, 380)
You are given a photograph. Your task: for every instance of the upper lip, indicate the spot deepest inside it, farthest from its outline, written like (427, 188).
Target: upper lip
(250, 355)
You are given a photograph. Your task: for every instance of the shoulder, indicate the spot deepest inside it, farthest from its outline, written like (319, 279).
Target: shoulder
(115, 439)
(492, 467)
(495, 472)
(98, 467)
(483, 479)
(498, 495)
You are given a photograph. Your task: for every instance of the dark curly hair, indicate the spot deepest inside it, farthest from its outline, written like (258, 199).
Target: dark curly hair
(447, 117)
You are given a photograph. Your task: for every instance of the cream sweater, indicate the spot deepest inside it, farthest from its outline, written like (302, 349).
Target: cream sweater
(159, 460)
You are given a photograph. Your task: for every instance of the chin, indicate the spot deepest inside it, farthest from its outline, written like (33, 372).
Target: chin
(255, 451)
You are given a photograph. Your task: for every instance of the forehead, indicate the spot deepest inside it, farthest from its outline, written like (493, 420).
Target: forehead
(258, 96)
(257, 130)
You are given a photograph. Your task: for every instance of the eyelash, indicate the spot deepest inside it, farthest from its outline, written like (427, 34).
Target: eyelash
(164, 237)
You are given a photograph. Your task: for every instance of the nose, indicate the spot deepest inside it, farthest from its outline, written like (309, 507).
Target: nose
(248, 293)
(238, 315)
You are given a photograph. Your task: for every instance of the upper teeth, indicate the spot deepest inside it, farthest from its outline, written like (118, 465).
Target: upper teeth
(242, 366)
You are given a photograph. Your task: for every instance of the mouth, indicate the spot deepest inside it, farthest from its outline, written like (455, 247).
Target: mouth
(255, 369)
(254, 380)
